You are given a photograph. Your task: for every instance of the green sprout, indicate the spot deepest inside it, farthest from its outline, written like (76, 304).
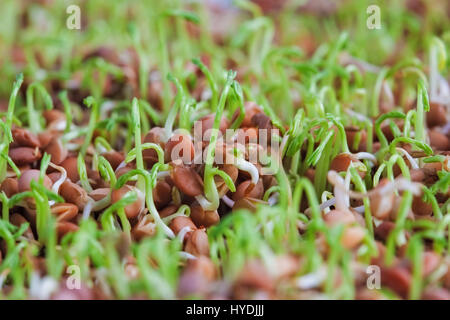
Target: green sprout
(92, 103)
(33, 117)
(160, 282)
(422, 107)
(137, 139)
(211, 193)
(150, 183)
(379, 121)
(7, 136)
(209, 77)
(67, 109)
(82, 172)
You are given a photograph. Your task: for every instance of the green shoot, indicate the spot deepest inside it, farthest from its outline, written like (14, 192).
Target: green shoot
(7, 136)
(82, 172)
(67, 110)
(92, 103)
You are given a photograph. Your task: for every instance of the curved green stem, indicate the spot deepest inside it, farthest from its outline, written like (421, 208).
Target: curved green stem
(150, 182)
(379, 121)
(33, 118)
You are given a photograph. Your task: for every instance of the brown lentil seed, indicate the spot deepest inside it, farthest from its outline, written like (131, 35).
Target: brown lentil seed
(438, 140)
(245, 189)
(155, 135)
(352, 237)
(250, 109)
(248, 203)
(73, 193)
(162, 194)
(29, 175)
(64, 211)
(71, 167)
(436, 117)
(381, 205)
(65, 227)
(168, 211)
(57, 151)
(180, 222)
(396, 278)
(197, 243)
(187, 180)
(335, 217)
(115, 158)
(99, 193)
(24, 155)
(203, 217)
(144, 228)
(17, 220)
(25, 138)
(10, 186)
(53, 115)
(45, 138)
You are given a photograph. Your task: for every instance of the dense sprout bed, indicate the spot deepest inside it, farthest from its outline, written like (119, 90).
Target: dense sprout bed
(336, 140)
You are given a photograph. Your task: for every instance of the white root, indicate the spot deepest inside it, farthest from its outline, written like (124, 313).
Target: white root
(42, 288)
(359, 209)
(72, 146)
(377, 222)
(273, 199)
(183, 233)
(103, 203)
(3, 276)
(204, 203)
(359, 116)
(155, 215)
(106, 107)
(249, 167)
(162, 174)
(341, 190)
(187, 255)
(346, 59)
(366, 156)
(325, 205)
(312, 280)
(141, 198)
(347, 180)
(121, 165)
(60, 181)
(404, 184)
(57, 125)
(398, 184)
(88, 209)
